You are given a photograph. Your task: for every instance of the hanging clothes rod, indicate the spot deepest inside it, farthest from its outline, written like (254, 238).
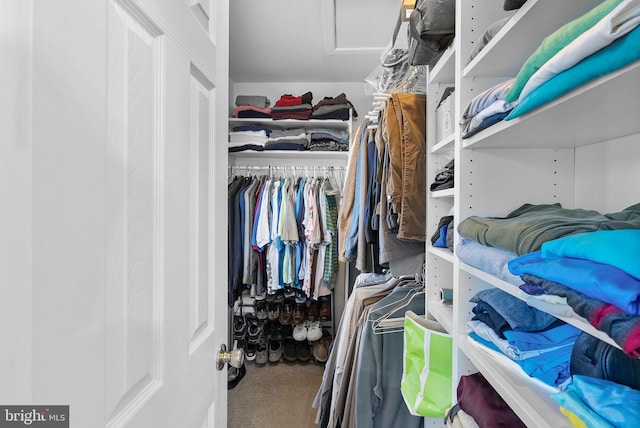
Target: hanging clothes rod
(289, 167)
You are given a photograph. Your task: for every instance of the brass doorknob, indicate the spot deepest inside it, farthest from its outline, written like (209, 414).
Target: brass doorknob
(235, 358)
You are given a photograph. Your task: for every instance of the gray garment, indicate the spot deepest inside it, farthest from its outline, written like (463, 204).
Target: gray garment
(292, 108)
(293, 132)
(392, 248)
(250, 262)
(366, 286)
(363, 263)
(378, 401)
(343, 404)
(258, 101)
(407, 266)
(330, 109)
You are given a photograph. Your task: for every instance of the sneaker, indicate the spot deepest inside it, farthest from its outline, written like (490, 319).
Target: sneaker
(289, 293)
(303, 351)
(262, 355)
(250, 352)
(314, 331)
(254, 328)
(239, 326)
(320, 351)
(286, 312)
(290, 350)
(261, 310)
(275, 350)
(300, 297)
(300, 332)
(298, 313)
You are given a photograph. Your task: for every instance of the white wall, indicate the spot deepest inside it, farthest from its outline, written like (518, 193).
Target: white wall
(355, 92)
(607, 175)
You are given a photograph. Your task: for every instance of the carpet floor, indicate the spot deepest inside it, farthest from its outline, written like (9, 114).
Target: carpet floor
(278, 395)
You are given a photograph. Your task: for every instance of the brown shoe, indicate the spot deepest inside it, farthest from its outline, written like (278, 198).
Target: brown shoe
(313, 311)
(325, 309)
(298, 313)
(286, 312)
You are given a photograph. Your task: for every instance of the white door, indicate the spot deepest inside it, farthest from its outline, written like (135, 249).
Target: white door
(112, 209)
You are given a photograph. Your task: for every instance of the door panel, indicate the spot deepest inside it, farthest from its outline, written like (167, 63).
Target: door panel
(119, 175)
(134, 235)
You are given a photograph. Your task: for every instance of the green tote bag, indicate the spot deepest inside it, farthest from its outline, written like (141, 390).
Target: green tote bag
(426, 376)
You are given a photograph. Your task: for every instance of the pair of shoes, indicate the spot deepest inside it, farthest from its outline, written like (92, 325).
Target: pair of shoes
(325, 308)
(290, 352)
(262, 354)
(303, 351)
(235, 375)
(314, 331)
(254, 328)
(286, 312)
(261, 309)
(298, 313)
(275, 350)
(321, 351)
(275, 297)
(239, 327)
(301, 331)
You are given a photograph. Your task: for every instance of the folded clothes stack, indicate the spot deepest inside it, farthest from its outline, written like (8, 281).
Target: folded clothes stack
(291, 107)
(333, 108)
(252, 106)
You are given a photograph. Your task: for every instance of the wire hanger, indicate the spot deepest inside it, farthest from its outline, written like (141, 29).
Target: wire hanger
(385, 323)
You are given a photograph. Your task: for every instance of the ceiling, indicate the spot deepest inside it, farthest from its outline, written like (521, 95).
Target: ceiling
(308, 40)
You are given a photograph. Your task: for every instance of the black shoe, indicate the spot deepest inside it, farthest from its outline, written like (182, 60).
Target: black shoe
(303, 351)
(290, 353)
(261, 310)
(254, 328)
(239, 327)
(234, 376)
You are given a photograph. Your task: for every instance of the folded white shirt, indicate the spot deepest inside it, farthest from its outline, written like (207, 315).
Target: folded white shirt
(248, 136)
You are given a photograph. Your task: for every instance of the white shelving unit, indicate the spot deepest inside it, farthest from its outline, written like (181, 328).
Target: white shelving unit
(581, 150)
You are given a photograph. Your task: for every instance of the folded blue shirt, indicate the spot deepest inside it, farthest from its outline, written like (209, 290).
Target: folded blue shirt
(517, 313)
(618, 405)
(596, 280)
